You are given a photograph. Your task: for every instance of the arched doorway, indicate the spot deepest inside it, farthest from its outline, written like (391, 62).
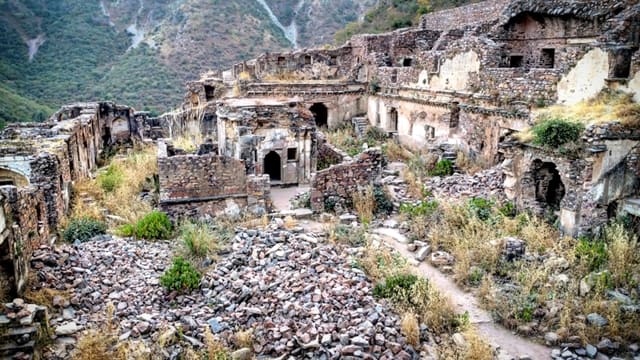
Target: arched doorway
(272, 166)
(393, 120)
(320, 112)
(549, 187)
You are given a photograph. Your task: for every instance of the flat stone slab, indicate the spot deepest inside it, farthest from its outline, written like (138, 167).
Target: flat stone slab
(391, 233)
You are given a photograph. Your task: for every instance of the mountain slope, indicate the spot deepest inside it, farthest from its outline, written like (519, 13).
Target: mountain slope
(141, 52)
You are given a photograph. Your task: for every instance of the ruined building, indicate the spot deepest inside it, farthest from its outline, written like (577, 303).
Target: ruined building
(466, 78)
(39, 163)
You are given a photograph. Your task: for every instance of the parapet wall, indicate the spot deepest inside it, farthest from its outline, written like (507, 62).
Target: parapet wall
(345, 179)
(198, 185)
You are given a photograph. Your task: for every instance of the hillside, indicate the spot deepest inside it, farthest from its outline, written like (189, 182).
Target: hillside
(141, 52)
(390, 15)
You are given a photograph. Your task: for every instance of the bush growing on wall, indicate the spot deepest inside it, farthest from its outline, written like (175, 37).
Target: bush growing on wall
(556, 132)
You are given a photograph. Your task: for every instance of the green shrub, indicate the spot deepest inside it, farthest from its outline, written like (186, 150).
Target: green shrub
(508, 209)
(592, 253)
(83, 229)
(394, 285)
(110, 179)
(443, 167)
(345, 234)
(126, 230)
(375, 135)
(154, 225)
(553, 133)
(422, 208)
(384, 205)
(481, 208)
(180, 276)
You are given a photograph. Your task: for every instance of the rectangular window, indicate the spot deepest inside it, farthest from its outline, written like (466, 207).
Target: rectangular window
(394, 76)
(548, 58)
(307, 60)
(515, 61)
(407, 62)
(281, 60)
(209, 92)
(292, 154)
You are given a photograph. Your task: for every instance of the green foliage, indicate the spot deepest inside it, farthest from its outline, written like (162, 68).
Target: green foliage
(592, 253)
(180, 276)
(154, 225)
(385, 16)
(422, 208)
(384, 205)
(481, 208)
(394, 285)
(443, 167)
(83, 229)
(475, 276)
(111, 179)
(553, 133)
(508, 209)
(345, 234)
(16, 108)
(126, 230)
(375, 135)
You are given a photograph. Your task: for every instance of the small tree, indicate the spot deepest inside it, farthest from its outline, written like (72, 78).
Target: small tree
(556, 132)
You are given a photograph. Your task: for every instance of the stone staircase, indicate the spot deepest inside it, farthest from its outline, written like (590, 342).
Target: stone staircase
(360, 124)
(20, 326)
(450, 153)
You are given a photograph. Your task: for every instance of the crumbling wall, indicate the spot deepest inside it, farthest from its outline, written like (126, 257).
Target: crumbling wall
(345, 179)
(43, 160)
(197, 185)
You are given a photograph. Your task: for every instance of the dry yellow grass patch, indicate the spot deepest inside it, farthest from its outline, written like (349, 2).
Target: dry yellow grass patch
(396, 152)
(608, 106)
(410, 328)
(244, 338)
(43, 296)
(365, 204)
(188, 142)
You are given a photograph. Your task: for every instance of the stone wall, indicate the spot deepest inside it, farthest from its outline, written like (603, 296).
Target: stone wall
(198, 185)
(39, 162)
(329, 155)
(345, 179)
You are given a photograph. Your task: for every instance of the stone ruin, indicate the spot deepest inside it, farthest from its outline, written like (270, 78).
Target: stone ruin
(467, 79)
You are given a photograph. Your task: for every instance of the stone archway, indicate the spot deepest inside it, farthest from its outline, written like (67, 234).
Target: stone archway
(321, 114)
(11, 177)
(273, 166)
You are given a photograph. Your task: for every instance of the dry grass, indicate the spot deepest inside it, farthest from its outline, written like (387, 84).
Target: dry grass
(101, 344)
(214, 348)
(608, 106)
(365, 204)
(43, 296)
(380, 262)
(623, 254)
(410, 328)
(290, 222)
(345, 139)
(243, 338)
(188, 142)
(414, 183)
(395, 152)
(470, 165)
(137, 169)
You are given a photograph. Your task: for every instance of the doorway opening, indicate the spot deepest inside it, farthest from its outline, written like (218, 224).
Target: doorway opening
(273, 166)
(321, 113)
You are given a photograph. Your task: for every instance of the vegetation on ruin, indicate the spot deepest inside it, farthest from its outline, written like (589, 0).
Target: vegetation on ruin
(83, 229)
(346, 235)
(156, 225)
(118, 187)
(548, 278)
(443, 167)
(181, 276)
(608, 106)
(554, 133)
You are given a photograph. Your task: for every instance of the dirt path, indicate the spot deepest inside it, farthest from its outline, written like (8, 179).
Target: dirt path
(280, 196)
(494, 333)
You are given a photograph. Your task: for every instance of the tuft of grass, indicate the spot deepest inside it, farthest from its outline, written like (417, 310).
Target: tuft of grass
(622, 254)
(410, 328)
(364, 203)
(110, 179)
(215, 350)
(43, 296)
(198, 238)
(348, 235)
(395, 152)
(244, 338)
